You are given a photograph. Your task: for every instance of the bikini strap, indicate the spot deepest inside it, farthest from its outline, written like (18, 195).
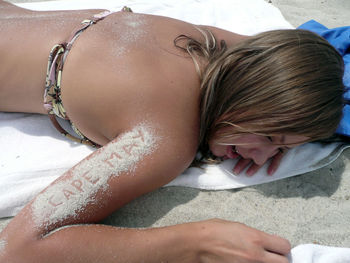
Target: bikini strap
(84, 25)
(56, 61)
(126, 9)
(88, 22)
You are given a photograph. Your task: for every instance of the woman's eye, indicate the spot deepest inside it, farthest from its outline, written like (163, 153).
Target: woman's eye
(269, 138)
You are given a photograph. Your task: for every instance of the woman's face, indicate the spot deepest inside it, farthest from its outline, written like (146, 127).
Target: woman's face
(255, 147)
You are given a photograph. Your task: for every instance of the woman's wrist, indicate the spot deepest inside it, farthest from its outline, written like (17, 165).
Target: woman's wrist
(183, 241)
(196, 238)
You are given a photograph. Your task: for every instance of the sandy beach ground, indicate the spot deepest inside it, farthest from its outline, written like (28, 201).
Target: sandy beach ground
(309, 208)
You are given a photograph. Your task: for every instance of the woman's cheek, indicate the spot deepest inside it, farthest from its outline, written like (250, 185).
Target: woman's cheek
(218, 150)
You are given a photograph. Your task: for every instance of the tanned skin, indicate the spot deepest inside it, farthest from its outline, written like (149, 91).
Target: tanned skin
(107, 94)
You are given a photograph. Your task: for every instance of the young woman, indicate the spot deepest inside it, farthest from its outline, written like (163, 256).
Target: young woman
(152, 91)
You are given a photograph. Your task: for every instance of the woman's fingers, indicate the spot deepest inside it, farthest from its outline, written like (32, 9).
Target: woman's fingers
(275, 162)
(276, 244)
(275, 258)
(241, 165)
(253, 169)
(277, 248)
(244, 163)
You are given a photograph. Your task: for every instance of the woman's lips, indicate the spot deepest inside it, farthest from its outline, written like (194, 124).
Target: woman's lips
(230, 153)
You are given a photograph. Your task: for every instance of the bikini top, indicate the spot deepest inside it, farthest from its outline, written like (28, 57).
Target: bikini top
(52, 95)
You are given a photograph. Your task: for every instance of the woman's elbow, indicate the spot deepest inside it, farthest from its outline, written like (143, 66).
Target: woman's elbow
(17, 252)
(19, 246)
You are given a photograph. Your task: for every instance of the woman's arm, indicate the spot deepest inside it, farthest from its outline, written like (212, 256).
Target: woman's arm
(129, 166)
(137, 162)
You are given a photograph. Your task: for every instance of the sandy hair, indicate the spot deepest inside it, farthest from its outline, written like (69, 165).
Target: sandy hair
(277, 82)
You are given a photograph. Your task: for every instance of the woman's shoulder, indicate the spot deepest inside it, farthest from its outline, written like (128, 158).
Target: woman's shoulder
(168, 103)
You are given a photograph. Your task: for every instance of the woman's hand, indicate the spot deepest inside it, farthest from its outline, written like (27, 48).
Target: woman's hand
(231, 242)
(244, 163)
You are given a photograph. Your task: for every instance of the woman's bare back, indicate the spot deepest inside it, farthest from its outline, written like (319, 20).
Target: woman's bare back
(127, 69)
(27, 38)
(120, 71)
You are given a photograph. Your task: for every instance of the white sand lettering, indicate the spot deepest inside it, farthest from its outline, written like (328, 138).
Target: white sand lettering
(65, 199)
(110, 161)
(3, 244)
(77, 184)
(52, 202)
(89, 178)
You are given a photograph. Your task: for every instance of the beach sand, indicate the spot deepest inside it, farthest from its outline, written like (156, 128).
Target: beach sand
(309, 208)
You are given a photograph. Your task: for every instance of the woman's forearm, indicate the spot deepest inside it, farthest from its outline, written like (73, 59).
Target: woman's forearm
(101, 243)
(214, 241)
(129, 166)
(136, 162)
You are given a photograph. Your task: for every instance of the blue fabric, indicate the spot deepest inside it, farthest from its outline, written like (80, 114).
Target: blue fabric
(339, 38)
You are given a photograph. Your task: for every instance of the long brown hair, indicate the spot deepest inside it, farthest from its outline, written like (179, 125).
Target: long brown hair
(277, 82)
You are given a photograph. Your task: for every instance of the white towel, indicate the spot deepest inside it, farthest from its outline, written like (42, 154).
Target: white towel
(310, 253)
(34, 153)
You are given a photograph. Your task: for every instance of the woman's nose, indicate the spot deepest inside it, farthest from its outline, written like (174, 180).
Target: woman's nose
(260, 156)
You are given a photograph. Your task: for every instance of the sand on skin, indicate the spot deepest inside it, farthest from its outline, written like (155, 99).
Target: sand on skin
(310, 208)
